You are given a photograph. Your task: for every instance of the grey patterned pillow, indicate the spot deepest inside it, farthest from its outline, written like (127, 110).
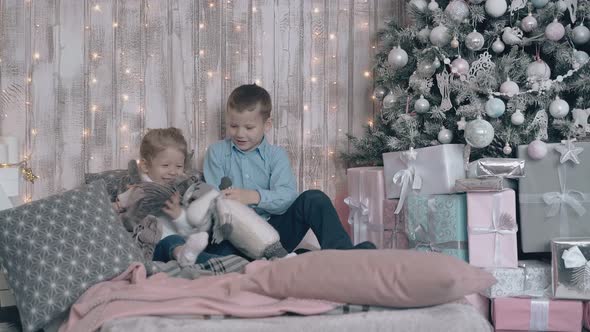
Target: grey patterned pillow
(116, 181)
(55, 248)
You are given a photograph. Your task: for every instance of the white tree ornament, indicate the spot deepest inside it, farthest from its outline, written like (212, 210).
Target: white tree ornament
(443, 81)
(581, 118)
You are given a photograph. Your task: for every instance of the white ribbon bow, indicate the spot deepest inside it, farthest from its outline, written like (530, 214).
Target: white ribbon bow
(359, 212)
(573, 258)
(403, 178)
(556, 200)
(502, 224)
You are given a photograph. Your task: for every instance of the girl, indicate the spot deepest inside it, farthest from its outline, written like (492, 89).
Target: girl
(163, 154)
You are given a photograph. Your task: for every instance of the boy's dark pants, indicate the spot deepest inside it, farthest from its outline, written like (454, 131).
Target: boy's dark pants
(312, 209)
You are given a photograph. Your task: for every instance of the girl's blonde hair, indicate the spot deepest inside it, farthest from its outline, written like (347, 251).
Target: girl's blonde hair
(158, 140)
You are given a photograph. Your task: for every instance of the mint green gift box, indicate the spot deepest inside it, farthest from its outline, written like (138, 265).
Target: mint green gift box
(438, 223)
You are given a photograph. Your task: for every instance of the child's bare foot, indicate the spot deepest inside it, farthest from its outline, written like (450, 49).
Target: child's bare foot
(195, 244)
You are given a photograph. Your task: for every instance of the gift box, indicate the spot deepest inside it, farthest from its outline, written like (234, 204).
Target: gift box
(426, 171)
(394, 235)
(554, 197)
(531, 278)
(586, 317)
(571, 268)
(366, 194)
(484, 184)
(491, 220)
(438, 223)
(540, 314)
(496, 167)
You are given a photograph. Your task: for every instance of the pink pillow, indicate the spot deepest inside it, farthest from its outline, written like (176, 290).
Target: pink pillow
(393, 278)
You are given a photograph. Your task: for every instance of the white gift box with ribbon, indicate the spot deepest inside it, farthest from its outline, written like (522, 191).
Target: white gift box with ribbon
(366, 194)
(571, 268)
(554, 197)
(425, 171)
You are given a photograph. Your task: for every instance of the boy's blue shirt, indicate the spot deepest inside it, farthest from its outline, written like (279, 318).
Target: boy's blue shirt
(265, 169)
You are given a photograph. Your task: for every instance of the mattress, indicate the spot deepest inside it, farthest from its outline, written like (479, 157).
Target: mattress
(447, 317)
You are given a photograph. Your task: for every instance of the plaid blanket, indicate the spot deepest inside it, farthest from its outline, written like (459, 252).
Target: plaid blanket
(214, 266)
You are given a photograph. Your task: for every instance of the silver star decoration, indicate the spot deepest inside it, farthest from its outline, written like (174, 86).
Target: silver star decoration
(461, 123)
(410, 154)
(569, 151)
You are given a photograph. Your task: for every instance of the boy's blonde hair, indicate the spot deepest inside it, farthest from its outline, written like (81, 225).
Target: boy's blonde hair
(249, 98)
(158, 140)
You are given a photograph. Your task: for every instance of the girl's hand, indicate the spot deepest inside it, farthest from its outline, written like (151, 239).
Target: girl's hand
(243, 196)
(172, 207)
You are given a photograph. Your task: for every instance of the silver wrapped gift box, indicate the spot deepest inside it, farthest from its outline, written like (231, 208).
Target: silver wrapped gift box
(570, 270)
(532, 278)
(497, 167)
(554, 197)
(484, 184)
(425, 171)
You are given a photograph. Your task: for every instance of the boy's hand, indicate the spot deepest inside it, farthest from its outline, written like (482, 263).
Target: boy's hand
(243, 196)
(172, 207)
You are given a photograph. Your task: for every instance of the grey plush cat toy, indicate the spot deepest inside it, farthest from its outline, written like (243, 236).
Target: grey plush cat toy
(206, 210)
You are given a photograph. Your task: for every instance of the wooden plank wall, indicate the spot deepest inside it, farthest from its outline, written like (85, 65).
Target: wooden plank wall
(82, 80)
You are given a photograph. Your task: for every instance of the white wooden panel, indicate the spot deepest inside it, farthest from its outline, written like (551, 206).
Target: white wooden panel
(43, 95)
(337, 94)
(314, 84)
(127, 26)
(182, 67)
(101, 142)
(289, 81)
(211, 47)
(361, 64)
(15, 59)
(262, 53)
(237, 53)
(157, 79)
(69, 133)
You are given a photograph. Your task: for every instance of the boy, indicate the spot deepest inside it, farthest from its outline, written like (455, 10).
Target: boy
(261, 176)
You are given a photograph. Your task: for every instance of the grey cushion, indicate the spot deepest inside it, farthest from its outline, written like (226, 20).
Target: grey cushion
(116, 181)
(55, 248)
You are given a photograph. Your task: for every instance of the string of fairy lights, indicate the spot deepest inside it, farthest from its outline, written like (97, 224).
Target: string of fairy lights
(126, 135)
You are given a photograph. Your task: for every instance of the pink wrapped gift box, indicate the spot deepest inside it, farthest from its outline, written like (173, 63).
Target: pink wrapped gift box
(521, 314)
(394, 233)
(587, 315)
(366, 191)
(491, 222)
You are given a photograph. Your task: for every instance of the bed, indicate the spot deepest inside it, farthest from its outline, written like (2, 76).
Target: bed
(55, 261)
(446, 317)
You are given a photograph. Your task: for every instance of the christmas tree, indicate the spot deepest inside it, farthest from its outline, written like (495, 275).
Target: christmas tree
(491, 74)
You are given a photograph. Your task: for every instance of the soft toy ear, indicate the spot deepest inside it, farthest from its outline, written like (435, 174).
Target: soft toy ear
(133, 169)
